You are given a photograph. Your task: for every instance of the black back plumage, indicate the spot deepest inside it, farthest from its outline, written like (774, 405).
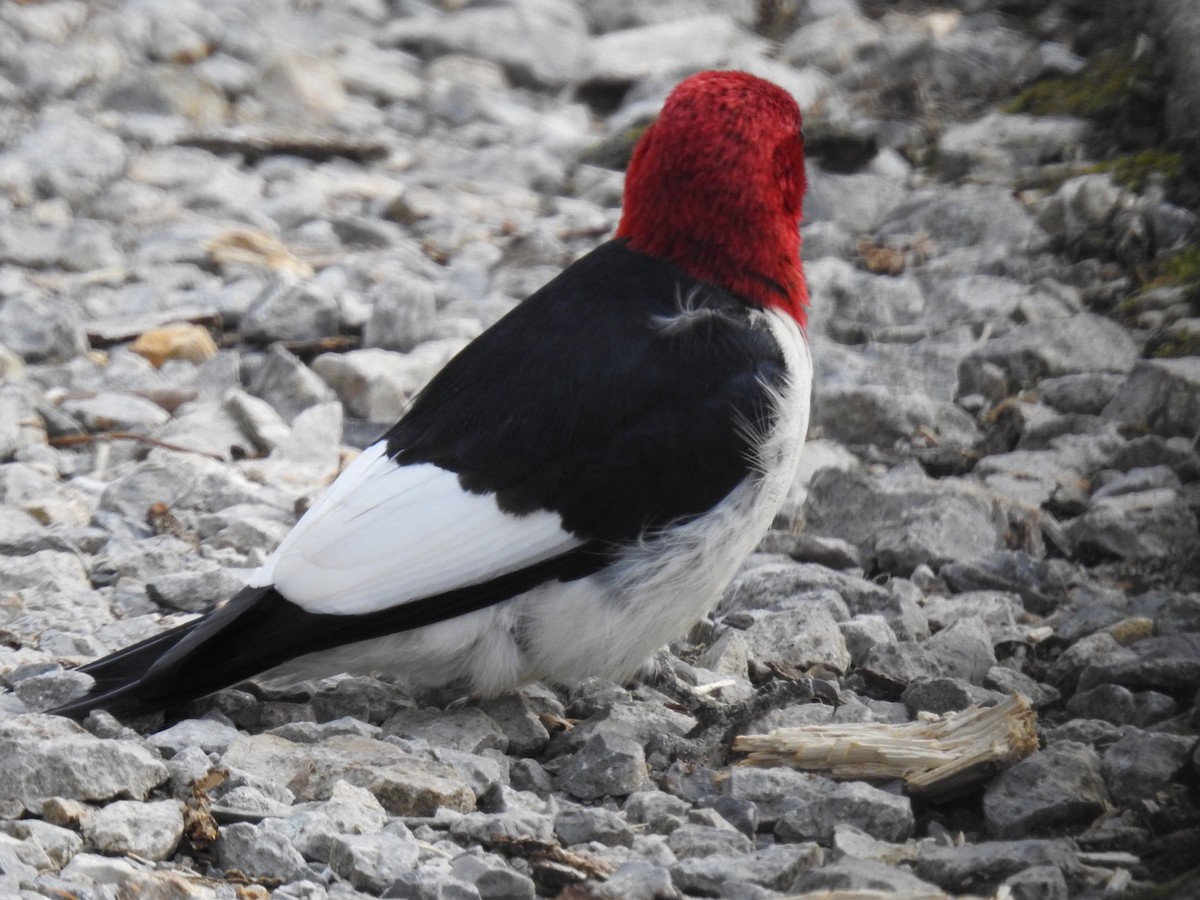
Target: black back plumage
(650, 426)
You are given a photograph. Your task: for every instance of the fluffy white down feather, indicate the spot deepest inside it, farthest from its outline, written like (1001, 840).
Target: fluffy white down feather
(383, 535)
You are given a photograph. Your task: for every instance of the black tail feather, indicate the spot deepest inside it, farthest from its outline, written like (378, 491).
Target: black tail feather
(118, 676)
(258, 629)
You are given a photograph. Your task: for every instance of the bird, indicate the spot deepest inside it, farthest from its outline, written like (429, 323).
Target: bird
(581, 482)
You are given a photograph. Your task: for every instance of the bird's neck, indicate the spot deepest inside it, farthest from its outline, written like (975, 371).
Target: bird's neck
(759, 263)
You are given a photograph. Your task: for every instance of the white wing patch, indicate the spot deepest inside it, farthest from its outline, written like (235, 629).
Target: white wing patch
(383, 535)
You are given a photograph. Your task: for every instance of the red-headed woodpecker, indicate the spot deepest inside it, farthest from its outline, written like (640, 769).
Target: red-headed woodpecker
(578, 485)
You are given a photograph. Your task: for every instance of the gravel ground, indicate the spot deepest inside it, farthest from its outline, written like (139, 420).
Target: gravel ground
(235, 239)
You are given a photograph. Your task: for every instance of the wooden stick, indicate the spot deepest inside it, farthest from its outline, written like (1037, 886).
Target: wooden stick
(933, 756)
(74, 440)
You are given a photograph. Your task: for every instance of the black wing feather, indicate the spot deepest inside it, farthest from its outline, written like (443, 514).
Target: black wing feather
(642, 428)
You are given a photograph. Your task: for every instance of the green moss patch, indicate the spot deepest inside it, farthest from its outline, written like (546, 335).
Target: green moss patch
(1100, 90)
(1133, 170)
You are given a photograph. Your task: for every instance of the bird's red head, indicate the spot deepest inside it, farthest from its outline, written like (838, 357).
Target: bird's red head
(716, 183)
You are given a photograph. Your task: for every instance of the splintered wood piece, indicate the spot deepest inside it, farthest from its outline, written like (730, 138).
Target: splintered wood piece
(251, 247)
(932, 756)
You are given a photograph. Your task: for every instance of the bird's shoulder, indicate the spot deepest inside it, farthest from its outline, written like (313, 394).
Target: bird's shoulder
(624, 393)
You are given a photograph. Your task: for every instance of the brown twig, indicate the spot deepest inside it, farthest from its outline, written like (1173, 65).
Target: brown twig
(74, 440)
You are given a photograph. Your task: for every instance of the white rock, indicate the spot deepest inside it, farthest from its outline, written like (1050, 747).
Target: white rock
(148, 830)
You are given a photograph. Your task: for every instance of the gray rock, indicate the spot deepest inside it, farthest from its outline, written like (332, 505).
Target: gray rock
(287, 384)
(41, 329)
(608, 765)
(23, 535)
(963, 650)
(1162, 395)
(857, 203)
(1087, 393)
(51, 571)
(206, 426)
(832, 43)
(93, 869)
(882, 815)
(210, 735)
(981, 868)
(290, 310)
(1138, 479)
(1084, 654)
(426, 885)
(966, 216)
(386, 76)
(371, 862)
(871, 414)
(519, 717)
(314, 441)
(690, 841)
(197, 590)
(1009, 681)
(71, 157)
(1029, 353)
(579, 825)
(498, 828)
(851, 875)
(46, 690)
(639, 720)
(644, 807)
(1122, 706)
(999, 147)
(852, 304)
(53, 757)
(904, 519)
(538, 42)
(1152, 450)
(776, 791)
(373, 384)
(58, 845)
(492, 878)
(259, 852)
(774, 585)
(863, 633)
(900, 664)
(482, 771)
(468, 729)
(1081, 207)
(1038, 883)
(778, 868)
(359, 697)
(402, 316)
(943, 695)
(310, 827)
(256, 418)
(800, 638)
(1056, 787)
(1154, 525)
(405, 784)
(148, 830)
(14, 872)
(530, 775)
(629, 55)
(1141, 762)
(116, 412)
(741, 814)
(635, 880)
(1045, 477)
